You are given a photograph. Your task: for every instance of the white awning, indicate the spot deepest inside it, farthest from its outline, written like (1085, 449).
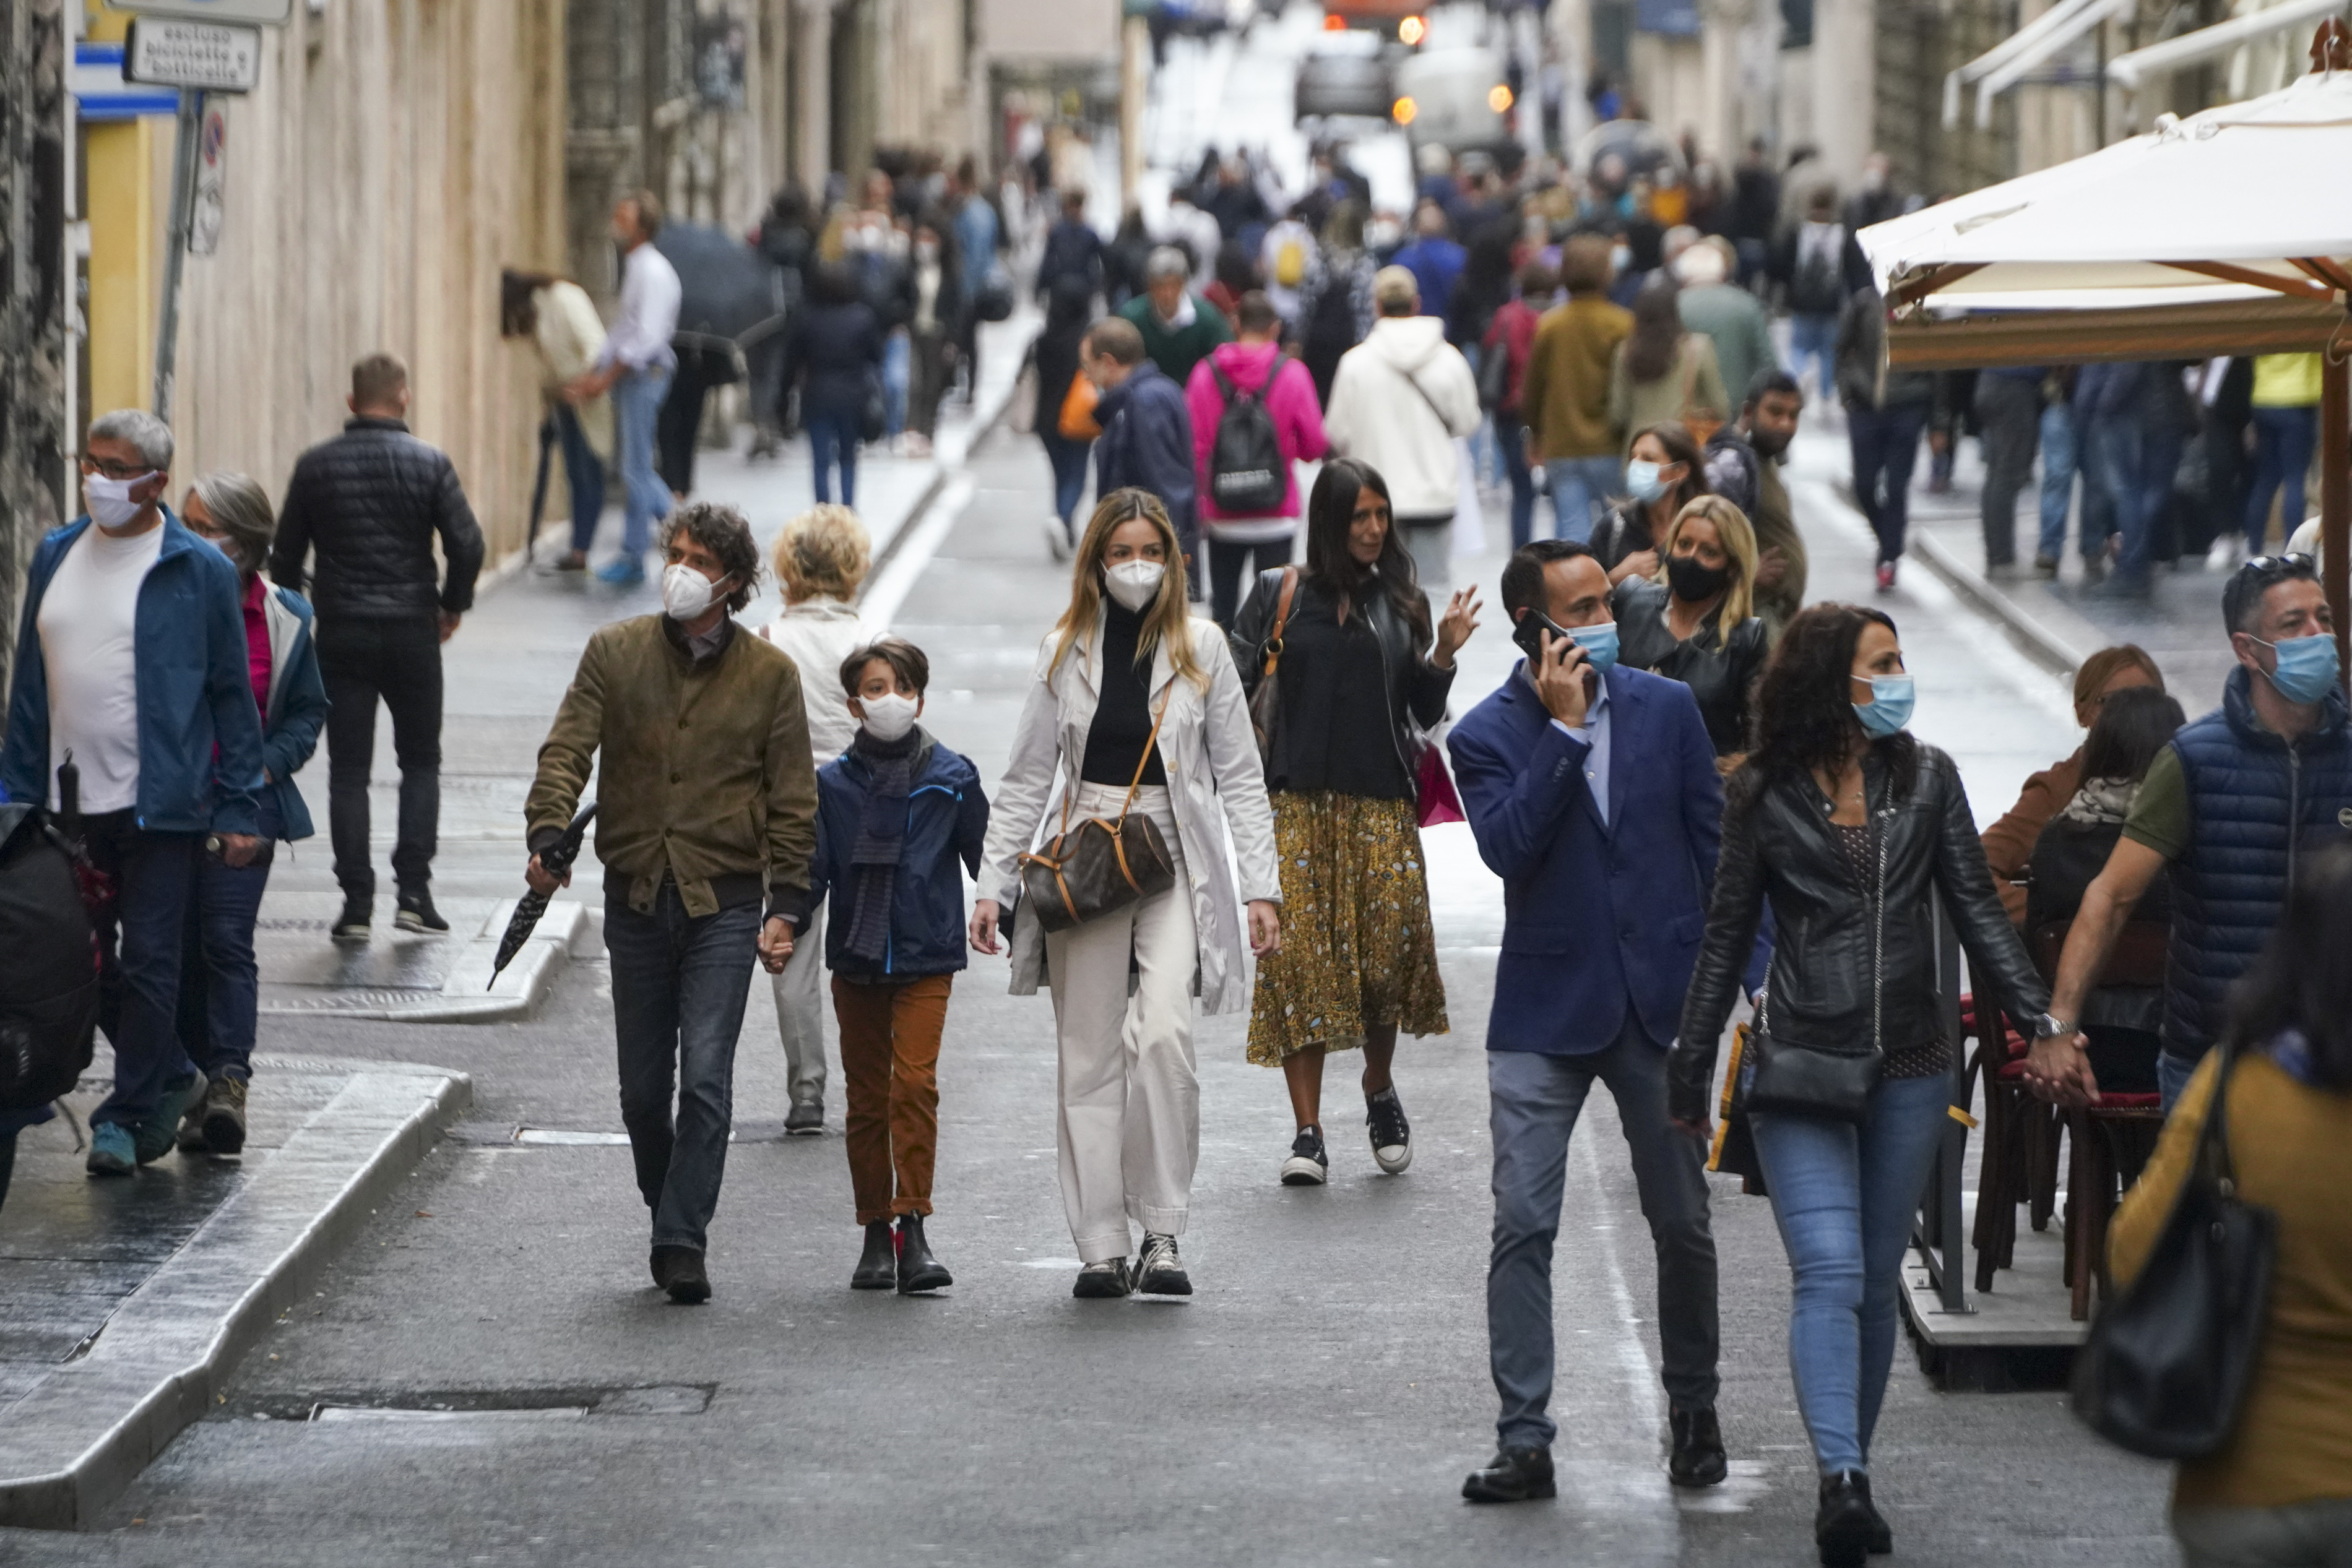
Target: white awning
(2160, 59)
(2009, 61)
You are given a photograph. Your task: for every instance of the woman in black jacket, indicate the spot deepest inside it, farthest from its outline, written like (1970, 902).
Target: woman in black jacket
(1850, 827)
(1695, 621)
(1359, 672)
(833, 355)
(1665, 472)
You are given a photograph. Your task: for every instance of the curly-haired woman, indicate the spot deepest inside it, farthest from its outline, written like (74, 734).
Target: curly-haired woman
(1851, 827)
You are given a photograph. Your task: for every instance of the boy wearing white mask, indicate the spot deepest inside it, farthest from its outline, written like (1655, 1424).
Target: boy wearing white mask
(706, 809)
(896, 813)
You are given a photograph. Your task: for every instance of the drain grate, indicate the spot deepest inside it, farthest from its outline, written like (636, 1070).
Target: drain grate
(558, 1403)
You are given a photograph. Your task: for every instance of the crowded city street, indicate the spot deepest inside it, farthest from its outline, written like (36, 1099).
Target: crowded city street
(726, 750)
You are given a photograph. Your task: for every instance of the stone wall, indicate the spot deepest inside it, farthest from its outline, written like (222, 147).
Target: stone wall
(32, 291)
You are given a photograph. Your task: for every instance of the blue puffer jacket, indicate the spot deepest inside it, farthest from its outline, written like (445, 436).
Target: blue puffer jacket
(196, 690)
(947, 822)
(2255, 806)
(297, 707)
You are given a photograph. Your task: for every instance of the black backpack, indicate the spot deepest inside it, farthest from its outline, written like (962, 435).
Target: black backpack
(1247, 474)
(48, 963)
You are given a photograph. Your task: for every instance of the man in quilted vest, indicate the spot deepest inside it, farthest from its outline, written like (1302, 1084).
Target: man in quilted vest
(2234, 807)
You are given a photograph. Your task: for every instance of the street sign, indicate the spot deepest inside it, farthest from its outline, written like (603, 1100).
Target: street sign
(206, 55)
(269, 13)
(100, 95)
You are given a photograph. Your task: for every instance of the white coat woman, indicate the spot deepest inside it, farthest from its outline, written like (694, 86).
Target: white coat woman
(1126, 655)
(820, 560)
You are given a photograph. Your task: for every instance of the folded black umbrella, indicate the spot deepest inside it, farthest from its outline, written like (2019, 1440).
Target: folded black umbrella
(555, 859)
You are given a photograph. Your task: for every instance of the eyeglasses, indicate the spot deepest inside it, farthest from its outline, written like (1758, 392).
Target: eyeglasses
(110, 469)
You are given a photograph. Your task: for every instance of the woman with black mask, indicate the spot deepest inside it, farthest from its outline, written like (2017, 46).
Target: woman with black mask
(1695, 621)
(1360, 672)
(1852, 829)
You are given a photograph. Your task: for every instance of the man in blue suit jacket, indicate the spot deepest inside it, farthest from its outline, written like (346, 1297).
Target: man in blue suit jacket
(1593, 795)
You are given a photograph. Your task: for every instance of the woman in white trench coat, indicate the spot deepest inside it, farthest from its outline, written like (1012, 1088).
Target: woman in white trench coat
(1127, 653)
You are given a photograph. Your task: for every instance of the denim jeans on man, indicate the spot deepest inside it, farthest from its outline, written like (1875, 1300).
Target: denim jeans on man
(2283, 438)
(140, 937)
(679, 983)
(833, 440)
(1844, 1197)
(2115, 456)
(898, 376)
(1536, 1100)
(1885, 445)
(1068, 459)
(1814, 338)
(220, 983)
(1511, 439)
(583, 471)
(2058, 462)
(636, 409)
(1581, 486)
(398, 659)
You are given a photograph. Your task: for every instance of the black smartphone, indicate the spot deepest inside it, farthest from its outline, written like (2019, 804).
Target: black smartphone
(1528, 630)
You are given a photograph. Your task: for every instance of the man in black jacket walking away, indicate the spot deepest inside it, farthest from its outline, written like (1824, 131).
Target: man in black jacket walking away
(371, 502)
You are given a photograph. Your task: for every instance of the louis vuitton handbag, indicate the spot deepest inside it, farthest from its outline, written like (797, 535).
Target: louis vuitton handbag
(1103, 863)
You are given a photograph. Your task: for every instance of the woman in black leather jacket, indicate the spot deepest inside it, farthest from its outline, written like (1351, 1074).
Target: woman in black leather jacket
(1849, 826)
(1361, 673)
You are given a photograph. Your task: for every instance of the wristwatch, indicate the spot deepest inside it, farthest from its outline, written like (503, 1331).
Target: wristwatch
(2049, 1026)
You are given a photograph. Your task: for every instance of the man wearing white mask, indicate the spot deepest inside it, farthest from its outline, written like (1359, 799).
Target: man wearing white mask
(132, 664)
(704, 816)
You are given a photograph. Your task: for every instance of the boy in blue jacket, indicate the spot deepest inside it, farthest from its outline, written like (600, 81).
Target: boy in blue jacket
(896, 811)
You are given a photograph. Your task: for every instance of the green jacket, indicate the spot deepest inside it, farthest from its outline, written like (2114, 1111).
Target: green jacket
(705, 769)
(1564, 398)
(1176, 353)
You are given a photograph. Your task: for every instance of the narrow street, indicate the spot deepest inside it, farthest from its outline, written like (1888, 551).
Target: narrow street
(1316, 1402)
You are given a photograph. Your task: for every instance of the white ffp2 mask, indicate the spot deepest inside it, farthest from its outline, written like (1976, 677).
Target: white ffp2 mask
(1135, 584)
(888, 717)
(686, 592)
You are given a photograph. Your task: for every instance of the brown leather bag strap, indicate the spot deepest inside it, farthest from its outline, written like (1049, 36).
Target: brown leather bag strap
(1151, 744)
(1281, 620)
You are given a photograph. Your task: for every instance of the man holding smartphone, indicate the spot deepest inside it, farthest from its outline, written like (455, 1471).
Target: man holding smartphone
(1593, 793)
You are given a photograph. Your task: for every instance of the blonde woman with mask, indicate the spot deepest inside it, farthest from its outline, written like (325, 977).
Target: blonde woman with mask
(820, 560)
(1695, 621)
(1124, 658)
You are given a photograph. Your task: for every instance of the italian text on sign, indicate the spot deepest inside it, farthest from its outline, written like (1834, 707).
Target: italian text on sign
(202, 55)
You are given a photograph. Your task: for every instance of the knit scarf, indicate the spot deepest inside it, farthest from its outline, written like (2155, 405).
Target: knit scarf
(881, 835)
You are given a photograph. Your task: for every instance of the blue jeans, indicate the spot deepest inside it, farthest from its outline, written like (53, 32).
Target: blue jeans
(833, 439)
(2058, 461)
(1814, 338)
(1581, 486)
(1535, 1100)
(1069, 462)
(2172, 1075)
(1511, 438)
(636, 406)
(584, 472)
(2283, 438)
(1885, 445)
(898, 373)
(1844, 1197)
(140, 940)
(2115, 457)
(680, 982)
(220, 982)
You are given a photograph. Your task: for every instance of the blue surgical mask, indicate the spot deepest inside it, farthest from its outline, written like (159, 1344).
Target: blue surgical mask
(1642, 480)
(1598, 643)
(2307, 667)
(1889, 707)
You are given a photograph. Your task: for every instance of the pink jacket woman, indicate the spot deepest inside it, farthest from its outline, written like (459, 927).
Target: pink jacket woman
(1241, 545)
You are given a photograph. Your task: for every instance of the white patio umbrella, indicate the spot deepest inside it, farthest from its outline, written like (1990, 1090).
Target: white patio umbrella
(2226, 232)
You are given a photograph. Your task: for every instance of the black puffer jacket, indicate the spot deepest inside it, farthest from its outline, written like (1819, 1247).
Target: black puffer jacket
(369, 502)
(1778, 844)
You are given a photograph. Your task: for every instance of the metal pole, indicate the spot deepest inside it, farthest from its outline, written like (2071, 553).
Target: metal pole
(1134, 82)
(190, 132)
(2335, 491)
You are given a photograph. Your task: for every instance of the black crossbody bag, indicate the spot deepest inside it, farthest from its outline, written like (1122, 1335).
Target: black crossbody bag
(1802, 1080)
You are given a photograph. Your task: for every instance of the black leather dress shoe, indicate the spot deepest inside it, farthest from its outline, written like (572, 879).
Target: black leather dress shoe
(878, 1266)
(917, 1270)
(1882, 1534)
(1513, 1475)
(679, 1271)
(1842, 1527)
(1698, 1460)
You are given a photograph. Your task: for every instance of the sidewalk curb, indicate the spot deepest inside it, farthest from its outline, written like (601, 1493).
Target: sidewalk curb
(984, 424)
(468, 994)
(72, 1446)
(2039, 644)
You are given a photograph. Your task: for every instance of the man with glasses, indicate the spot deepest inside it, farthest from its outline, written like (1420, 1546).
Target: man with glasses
(2232, 806)
(131, 661)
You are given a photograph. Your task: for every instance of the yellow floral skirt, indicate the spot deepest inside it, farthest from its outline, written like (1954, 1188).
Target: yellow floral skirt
(1357, 947)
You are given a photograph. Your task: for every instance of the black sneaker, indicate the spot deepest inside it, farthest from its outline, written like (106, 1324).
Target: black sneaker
(417, 915)
(1698, 1460)
(1100, 1282)
(1158, 1272)
(358, 914)
(1513, 1475)
(805, 1119)
(1842, 1525)
(1307, 1165)
(1391, 1134)
(679, 1271)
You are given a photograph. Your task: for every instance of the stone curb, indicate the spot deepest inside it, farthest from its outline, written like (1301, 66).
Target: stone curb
(2039, 644)
(468, 996)
(72, 1446)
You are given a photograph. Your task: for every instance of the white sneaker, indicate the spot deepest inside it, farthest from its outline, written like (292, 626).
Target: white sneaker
(1307, 1164)
(1057, 539)
(2227, 551)
(1391, 1134)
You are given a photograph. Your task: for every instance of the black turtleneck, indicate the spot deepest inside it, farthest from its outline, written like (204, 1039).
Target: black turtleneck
(1122, 720)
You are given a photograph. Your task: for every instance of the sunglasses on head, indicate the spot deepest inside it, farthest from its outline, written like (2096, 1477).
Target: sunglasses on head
(2293, 560)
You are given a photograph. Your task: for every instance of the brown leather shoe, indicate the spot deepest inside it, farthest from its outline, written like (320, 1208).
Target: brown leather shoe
(224, 1115)
(679, 1271)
